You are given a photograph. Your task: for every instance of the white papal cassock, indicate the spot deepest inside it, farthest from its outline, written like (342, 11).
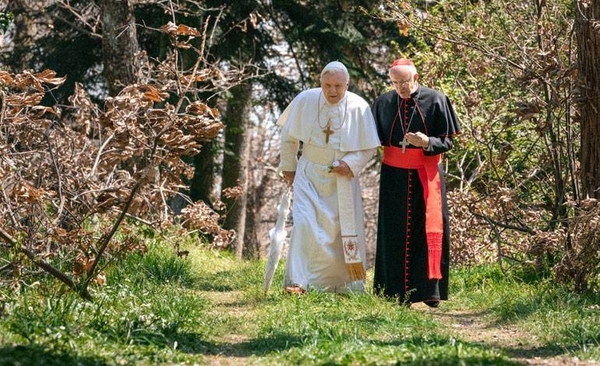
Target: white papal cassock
(315, 258)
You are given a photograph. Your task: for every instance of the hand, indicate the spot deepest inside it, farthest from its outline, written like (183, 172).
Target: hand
(418, 139)
(340, 167)
(288, 177)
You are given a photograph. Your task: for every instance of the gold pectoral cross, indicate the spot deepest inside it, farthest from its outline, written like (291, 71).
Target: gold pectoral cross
(327, 131)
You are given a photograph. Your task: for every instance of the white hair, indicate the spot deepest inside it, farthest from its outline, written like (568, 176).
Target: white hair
(335, 66)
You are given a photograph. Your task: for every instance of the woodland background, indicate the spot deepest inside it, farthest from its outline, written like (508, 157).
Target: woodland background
(121, 117)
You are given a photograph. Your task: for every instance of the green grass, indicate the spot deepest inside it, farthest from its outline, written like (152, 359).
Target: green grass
(160, 309)
(565, 322)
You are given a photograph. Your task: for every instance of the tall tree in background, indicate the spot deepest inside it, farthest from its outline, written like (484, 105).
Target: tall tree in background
(588, 42)
(119, 44)
(240, 41)
(155, 14)
(236, 161)
(23, 34)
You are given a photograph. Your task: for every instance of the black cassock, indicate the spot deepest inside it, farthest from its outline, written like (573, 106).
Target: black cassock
(401, 259)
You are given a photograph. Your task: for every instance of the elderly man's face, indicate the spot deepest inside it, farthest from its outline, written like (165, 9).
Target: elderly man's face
(334, 86)
(404, 80)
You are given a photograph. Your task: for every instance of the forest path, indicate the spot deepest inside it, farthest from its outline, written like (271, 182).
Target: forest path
(472, 326)
(479, 327)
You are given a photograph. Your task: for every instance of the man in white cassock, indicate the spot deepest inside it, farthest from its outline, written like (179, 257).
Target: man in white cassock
(335, 130)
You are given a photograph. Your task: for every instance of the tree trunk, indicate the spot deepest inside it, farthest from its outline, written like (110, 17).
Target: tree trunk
(25, 28)
(203, 182)
(262, 199)
(119, 44)
(588, 42)
(235, 160)
(251, 249)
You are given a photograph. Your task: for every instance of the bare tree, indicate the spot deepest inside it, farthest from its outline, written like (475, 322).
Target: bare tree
(587, 22)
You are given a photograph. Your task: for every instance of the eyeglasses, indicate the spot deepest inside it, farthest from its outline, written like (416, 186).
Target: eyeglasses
(397, 83)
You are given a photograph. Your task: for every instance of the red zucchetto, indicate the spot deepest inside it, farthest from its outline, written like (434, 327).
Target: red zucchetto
(402, 62)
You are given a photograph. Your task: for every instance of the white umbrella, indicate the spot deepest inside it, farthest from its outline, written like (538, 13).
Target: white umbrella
(277, 235)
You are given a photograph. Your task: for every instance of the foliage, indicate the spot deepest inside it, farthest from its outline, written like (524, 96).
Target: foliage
(5, 21)
(130, 319)
(511, 71)
(47, 35)
(146, 314)
(580, 265)
(75, 176)
(313, 33)
(562, 320)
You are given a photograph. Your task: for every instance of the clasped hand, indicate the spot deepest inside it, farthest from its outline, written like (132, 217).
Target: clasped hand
(418, 139)
(340, 167)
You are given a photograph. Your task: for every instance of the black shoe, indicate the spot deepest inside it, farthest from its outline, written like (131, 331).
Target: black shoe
(432, 303)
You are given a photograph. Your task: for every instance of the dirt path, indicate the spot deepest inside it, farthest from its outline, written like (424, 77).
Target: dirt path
(230, 351)
(520, 345)
(468, 326)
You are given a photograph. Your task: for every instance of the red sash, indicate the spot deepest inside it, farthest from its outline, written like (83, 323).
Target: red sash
(427, 167)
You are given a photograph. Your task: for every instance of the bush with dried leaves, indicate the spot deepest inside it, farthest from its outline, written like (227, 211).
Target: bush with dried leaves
(74, 177)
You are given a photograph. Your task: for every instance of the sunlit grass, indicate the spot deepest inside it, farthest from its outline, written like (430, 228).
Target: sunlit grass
(558, 317)
(160, 309)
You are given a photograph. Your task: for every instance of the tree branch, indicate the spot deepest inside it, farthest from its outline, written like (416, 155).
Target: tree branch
(44, 265)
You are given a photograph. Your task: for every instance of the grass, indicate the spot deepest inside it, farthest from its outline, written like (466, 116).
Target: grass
(160, 309)
(563, 321)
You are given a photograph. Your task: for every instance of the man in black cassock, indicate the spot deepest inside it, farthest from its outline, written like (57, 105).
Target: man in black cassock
(415, 125)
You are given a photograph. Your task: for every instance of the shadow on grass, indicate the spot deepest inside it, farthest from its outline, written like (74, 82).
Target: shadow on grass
(281, 342)
(475, 322)
(34, 355)
(192, 344)
(219, 281)
(188, 343)
(230, 280)
(542, 352)
(448, 356)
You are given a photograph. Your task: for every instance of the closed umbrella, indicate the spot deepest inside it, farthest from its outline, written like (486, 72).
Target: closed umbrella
(277, 235)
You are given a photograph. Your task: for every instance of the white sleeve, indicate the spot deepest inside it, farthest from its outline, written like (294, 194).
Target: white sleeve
(288, 153)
